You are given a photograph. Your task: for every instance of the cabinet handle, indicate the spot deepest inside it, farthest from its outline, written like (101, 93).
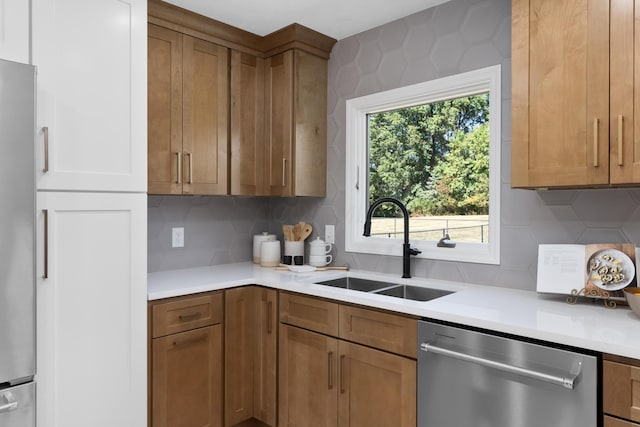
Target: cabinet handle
(342, 389)
(45, 274)
(177, 343)
(12, 403)
(595, 143)
(190, 168)
(269, 317)
(357, 177)
(330, 369)
(179, 174)
(620, 136)
(284, 172)
(189, 316)
(45, 131)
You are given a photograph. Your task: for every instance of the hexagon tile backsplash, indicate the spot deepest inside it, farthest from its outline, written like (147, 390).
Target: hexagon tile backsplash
(450, 38)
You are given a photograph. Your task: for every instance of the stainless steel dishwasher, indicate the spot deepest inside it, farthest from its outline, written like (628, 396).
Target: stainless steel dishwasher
(469, 378)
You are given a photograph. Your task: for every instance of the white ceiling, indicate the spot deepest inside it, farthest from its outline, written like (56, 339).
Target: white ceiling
(335, 18)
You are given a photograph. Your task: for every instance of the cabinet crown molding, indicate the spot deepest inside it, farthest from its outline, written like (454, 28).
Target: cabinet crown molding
(199, 26)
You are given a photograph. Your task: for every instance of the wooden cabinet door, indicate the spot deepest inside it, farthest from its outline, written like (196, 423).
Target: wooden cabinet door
(187, 379)
(560, 93)
(375, 388)
(247, 125)
(310, 125)
(279, 123)
(205, 115)
(164, 129)
(616, 422)
(621, 390)
(240, 349)
(15, 24)
(265, 363)
(625, 92)
(91, 309)
(91, 119)
(307, 379)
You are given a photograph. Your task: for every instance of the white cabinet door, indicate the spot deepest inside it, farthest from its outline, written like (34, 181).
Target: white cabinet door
(92, 94)
(14, 30)
(91, 310)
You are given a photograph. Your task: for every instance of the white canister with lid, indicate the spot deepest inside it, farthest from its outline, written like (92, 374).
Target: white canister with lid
(319, 248)
(257, 244)
(270, 253)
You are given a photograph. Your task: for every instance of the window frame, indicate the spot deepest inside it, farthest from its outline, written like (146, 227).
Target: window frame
(356, 164)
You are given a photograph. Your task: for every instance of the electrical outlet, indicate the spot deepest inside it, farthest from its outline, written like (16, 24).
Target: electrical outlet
(330, 234)
(177, 237)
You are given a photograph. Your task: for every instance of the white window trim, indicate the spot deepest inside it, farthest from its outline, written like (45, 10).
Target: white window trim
(356, 203)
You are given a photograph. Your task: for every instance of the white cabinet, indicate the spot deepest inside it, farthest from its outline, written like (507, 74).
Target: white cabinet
(92, 356)
(91, 57)
(14, 30)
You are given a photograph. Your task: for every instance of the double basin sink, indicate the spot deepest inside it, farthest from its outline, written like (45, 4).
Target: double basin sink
(416, 293)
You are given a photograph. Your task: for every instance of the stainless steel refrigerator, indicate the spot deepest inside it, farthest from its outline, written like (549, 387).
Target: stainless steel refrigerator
(17, 243)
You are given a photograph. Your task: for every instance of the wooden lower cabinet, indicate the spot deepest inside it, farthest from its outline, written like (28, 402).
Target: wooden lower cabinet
(324, 381)
(187, 379)
(250, 356)
(615, 422)
(621, 388)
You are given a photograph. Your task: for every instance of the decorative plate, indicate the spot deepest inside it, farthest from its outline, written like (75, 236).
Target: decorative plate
(610, 269)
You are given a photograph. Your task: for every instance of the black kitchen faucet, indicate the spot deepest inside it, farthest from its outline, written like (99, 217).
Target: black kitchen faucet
(407, 250)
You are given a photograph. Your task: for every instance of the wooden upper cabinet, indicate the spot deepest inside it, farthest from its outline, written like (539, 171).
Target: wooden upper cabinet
(296, 124)
(205, 116)
(251, 122)
(247, 124)
(625, 91)
(560, 93)
(164, 82)
(188, 114)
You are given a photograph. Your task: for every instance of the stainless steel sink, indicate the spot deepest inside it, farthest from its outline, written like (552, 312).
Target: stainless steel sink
(416, 293)
(356, 284)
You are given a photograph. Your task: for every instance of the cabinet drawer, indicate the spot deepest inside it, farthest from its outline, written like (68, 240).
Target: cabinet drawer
(615, 422)
(621, 390)
(385, 331)
(309, 313)
(187, 313)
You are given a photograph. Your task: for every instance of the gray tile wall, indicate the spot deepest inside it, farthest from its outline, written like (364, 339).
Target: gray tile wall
(454, 37)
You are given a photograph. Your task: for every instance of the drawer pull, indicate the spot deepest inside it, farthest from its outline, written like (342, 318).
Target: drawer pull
(284, 172)
(45, 131)
(189, 316)
(269, 317)
(12, 403)
(330, 369)
(177, 343)
(342, 388)
(190, 180)
(179, 170)
(620, 136)
(595, 143)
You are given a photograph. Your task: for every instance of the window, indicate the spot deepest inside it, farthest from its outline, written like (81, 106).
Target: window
(436, 147)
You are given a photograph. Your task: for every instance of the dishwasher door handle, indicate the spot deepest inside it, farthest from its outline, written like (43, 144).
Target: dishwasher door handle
(564, 381)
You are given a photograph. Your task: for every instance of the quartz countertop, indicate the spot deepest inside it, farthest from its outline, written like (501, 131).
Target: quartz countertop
(587, 324)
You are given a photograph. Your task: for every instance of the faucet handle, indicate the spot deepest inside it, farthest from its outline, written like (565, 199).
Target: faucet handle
(414, 251)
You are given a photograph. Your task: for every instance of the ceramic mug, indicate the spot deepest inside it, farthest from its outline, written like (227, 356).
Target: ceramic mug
(320, 260)
(270, 253)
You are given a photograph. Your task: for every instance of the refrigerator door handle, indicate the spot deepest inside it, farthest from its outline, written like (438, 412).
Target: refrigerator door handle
(12, 403)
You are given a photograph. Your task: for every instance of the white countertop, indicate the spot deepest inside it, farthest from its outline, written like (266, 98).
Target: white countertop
(586, 325)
